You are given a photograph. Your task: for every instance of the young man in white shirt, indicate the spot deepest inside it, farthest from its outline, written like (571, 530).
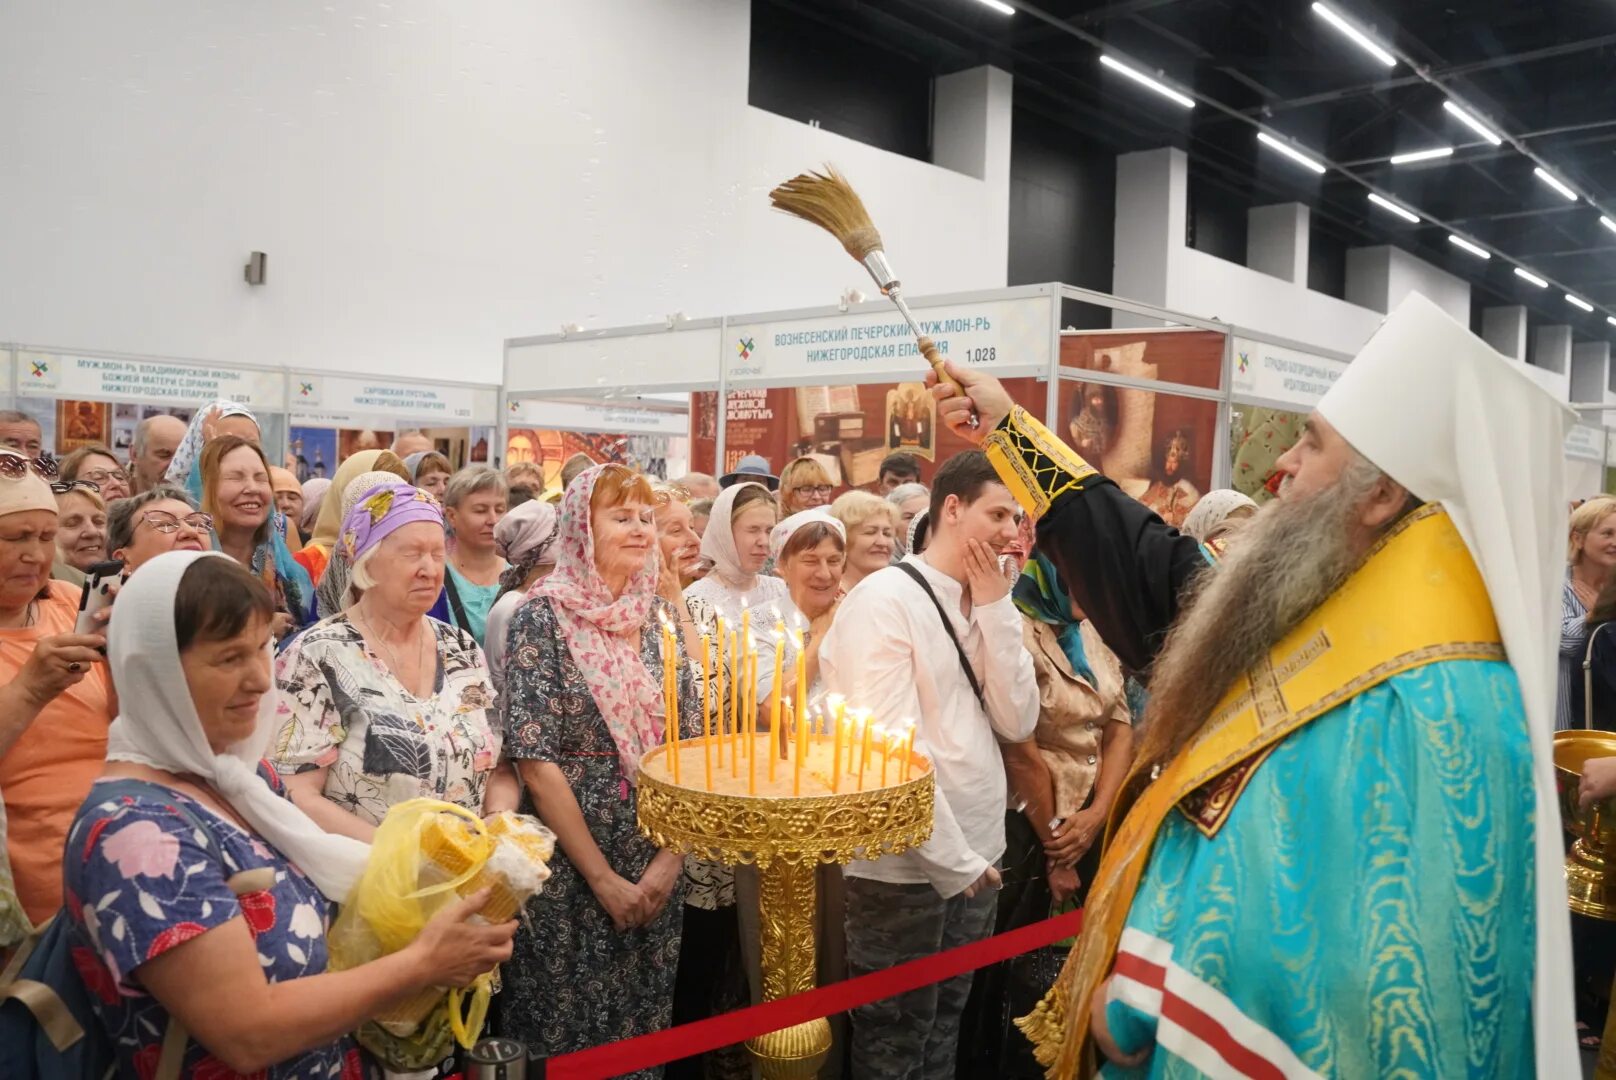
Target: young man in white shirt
(890, 651)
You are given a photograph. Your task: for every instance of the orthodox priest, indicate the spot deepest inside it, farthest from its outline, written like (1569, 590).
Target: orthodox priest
(1339, 852)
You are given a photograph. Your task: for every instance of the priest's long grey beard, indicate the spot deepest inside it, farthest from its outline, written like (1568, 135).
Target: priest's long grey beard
(1279, 569)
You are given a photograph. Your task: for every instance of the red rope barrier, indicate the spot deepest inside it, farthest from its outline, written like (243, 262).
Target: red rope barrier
(687, 1040)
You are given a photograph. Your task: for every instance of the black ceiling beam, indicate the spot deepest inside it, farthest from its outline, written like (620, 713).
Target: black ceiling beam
(1453, 71)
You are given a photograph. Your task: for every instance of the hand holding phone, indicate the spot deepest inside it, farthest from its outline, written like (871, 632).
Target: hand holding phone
(99, 589)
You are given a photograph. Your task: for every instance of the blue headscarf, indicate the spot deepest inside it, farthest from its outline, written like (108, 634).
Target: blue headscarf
(1038, 595)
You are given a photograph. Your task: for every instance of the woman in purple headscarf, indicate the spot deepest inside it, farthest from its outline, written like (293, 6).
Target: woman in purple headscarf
(380, 703)
(582, 703)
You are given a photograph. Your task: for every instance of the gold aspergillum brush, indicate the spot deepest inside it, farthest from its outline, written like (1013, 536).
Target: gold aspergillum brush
(829, 201)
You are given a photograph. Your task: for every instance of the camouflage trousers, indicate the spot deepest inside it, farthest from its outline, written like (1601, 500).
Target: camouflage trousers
(912, 1036)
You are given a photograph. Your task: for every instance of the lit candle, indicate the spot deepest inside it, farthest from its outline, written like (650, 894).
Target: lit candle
(670, 696)
(802, 689)
(751, 722)
(707, 710)
(776, 695)
(886, 752)
(864, 753)
(718, 670)
(908, 749)
(736, 676)
(836, 746)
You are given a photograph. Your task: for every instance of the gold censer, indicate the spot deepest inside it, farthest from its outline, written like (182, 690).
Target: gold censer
(1590, 866)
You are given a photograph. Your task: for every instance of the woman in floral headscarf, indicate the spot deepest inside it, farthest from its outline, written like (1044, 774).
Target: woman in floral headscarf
(582, 703)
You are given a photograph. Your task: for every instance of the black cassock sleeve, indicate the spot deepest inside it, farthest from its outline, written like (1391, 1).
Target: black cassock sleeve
(1123, 565)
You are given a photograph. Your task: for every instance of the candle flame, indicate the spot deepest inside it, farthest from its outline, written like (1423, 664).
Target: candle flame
(835, 701)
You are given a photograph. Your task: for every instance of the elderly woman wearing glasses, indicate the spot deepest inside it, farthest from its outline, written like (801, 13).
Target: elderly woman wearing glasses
(97, 465)
(157, 520)
(55, 697)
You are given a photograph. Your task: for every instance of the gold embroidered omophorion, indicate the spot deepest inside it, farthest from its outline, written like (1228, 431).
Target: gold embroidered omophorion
(1416, 599)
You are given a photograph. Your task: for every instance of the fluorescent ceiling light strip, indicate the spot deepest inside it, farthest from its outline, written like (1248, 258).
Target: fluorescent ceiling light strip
(1554, 182)
(1146, 81)
(1359, 38)
(1412, 219)
(1533, 278)
(1461, 242)
(1607, 223)
(1611, 319)
(1285, 148)
(1423, 155)
(1577, 301)
(1473, 124)
(1002, 9)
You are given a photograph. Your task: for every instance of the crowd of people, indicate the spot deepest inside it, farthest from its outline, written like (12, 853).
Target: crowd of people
(281, 663)
(410, 630)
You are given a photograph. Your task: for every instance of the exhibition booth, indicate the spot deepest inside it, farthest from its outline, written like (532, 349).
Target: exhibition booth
(314, 418)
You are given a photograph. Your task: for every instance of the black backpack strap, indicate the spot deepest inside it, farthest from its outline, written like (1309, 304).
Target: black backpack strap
(455, 605)
(948, 625)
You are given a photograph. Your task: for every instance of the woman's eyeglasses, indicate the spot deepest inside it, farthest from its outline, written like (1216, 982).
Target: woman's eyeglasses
(62, 487)
(168, 524)
(100, 476)
(818, 490)
(14, 466)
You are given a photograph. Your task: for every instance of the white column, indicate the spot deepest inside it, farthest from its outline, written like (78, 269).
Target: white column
(1277, 241)
(1369, 277)
(971, 115)
(1551, 349)
(1504, 328)
(1152, 207)
(1590, 372)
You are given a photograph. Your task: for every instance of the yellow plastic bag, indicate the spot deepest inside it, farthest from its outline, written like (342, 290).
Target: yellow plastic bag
(425, 854)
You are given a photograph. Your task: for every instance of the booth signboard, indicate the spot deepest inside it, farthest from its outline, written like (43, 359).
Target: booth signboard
(1278, 374)
(163, 382)
(848, 428)
(419, 404)
(998, 334)
(581, 416)
(1584, 442)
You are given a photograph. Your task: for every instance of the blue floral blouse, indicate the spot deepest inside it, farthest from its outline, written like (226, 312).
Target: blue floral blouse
(139, 879)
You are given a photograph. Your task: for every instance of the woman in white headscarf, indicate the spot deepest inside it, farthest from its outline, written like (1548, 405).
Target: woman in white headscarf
(737, 544)
(168, 921)
(524, 538)
(1217, 514)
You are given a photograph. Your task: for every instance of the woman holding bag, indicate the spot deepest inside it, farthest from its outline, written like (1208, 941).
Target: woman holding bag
(167, 924)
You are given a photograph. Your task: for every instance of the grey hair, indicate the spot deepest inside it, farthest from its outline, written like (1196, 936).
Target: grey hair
(472, 480)
(14, 416)
(121, 513)
(904, 492)
(360, 578)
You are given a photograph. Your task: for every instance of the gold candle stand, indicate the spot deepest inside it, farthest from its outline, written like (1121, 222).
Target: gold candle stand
(787, 838)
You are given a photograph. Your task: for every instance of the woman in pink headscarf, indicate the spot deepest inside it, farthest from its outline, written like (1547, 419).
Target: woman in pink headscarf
(582, 703)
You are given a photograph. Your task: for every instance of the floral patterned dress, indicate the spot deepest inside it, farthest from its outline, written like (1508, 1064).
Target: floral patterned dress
(139, 879)
(342, 709)
(575, 981)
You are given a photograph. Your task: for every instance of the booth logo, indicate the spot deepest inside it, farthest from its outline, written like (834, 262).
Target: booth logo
(1243, 362)
(41, 368)
(745, 347)
(305, 389)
